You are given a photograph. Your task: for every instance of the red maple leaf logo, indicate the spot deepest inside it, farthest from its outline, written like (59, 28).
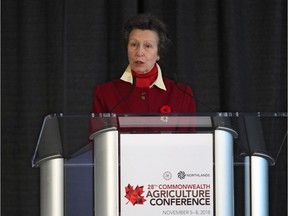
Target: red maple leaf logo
(134, 196)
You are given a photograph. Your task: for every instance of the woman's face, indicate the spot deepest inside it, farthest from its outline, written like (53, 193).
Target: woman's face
(142, 50)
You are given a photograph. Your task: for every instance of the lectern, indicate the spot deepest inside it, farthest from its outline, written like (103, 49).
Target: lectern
(179, 164)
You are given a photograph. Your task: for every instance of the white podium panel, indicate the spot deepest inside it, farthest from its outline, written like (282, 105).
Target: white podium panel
(166, 174)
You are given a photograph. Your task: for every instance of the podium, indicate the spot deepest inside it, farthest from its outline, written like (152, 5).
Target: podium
(88, 161)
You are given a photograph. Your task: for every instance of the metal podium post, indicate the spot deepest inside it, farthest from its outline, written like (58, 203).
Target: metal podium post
(52, 187)
(259, 186)
(48, 156)
(224, 172)
(256, 169)
(106, 174)
(256, 186)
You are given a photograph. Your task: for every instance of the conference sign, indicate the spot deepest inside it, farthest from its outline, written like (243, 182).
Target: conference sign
(166, 174)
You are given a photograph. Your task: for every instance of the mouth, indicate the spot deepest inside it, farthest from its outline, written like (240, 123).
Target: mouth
(139, 63)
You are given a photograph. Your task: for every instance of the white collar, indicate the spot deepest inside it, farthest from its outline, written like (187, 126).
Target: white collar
(127, 77)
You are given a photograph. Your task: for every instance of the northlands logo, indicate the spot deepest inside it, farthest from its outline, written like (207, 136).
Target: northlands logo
(181, 175)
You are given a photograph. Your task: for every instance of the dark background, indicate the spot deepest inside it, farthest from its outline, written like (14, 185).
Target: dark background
(231, 52)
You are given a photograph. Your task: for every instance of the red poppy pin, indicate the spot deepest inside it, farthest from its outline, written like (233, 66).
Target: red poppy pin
(165, 109)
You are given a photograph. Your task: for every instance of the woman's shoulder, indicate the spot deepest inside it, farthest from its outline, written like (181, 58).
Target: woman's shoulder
(170, 84)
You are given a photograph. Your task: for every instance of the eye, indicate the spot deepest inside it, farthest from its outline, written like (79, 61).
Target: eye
(132, 44)
(148, 46)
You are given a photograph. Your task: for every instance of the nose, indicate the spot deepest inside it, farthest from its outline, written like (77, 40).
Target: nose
(140, 51)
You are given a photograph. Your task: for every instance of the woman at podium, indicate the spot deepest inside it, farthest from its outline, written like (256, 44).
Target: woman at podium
(142, 88)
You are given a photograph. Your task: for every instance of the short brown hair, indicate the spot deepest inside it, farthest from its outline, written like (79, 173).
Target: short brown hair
(147, 22)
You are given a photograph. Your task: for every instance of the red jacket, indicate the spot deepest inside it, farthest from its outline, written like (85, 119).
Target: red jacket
(119, 96)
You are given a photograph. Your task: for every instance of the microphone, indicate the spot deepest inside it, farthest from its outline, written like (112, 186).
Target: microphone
(192, 96)
(125, 96)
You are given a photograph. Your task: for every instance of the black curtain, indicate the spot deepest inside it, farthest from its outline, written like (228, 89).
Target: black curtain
(232, 54)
